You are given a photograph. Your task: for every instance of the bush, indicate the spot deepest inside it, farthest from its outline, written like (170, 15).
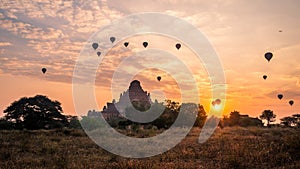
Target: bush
(90, 123)
(5, 125)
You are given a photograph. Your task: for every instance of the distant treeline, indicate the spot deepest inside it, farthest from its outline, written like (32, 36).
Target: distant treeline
(40, 112)
(236, 119)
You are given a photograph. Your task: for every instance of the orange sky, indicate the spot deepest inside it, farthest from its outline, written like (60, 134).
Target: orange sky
(35, 35)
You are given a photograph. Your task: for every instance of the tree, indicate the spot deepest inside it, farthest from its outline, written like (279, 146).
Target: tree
(38, 112)
(201, 116)
(269, 116)
(288, 121)
(297, 119)
(291, 121)
(250, 121)
(169, 113)
(73, 122)
(172, 105)
(6, 125)
(234, 118)
(224, 122)
(91, 123)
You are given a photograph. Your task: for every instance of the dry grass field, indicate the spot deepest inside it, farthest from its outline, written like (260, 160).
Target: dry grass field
(228, 148)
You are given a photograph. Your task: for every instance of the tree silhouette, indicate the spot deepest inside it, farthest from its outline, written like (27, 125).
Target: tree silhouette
(201, 116)
(288, 121)
(73, 122)
(91, 123)
(6, 125)
(237, 119)
(37, 112)
(297, 119)
(268, 115)
(234, 118)
(172, 105)
(292, 121)
(168, 116)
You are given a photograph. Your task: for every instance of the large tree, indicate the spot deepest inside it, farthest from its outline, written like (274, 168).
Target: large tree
(269, 116)
(38, 112)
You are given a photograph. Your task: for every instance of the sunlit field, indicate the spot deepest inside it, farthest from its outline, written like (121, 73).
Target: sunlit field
(230, 147)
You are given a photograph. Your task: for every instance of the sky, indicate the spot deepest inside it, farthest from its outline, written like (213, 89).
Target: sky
(36, 34)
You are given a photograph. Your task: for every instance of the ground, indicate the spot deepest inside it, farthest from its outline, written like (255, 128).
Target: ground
(233, 147)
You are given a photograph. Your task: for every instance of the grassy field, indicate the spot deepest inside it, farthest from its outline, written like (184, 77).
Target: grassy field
(227, 148)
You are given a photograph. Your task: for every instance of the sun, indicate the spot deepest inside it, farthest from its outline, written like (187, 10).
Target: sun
(217, 107)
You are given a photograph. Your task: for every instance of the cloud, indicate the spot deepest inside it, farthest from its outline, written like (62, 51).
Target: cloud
(290, 94)
(48, 34)
(3, 44)
(51, 34)
(58, 29)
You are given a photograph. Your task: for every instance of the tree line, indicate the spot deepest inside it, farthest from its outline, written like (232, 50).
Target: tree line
(39, 112)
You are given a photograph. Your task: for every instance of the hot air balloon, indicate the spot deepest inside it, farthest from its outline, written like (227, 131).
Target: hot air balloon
(145, 44)
(268, 56)
(44, 70)
(112, 39)
(158, 78)
(218, 101)
(95, 45)
(126, 44)
(178, 46)
(98, 53)
(280, 96)
(291, 102)
(213, 103)
(265, 77)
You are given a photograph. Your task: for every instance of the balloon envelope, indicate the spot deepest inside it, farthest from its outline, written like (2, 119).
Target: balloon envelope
(280, 96)
(95, 45)
(126, 44)
(98, 53)
(158, 78)
(265, 77)
(145, 44)
(44, 70)
(112, 39)
(291, 102)
(218, 101)
(268, 56)
(178, 46)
